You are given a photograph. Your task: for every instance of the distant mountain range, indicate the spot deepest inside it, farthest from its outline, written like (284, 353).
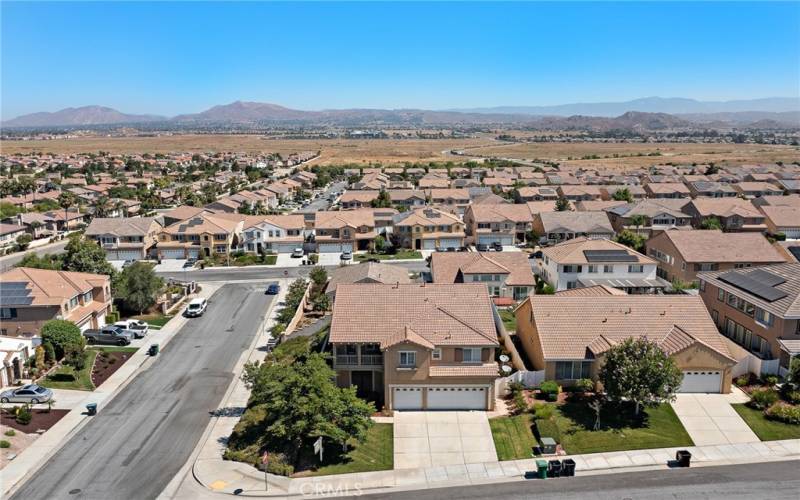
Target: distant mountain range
(652, 113)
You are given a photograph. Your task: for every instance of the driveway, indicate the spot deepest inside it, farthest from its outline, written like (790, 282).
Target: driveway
(330, 259)
(429, 439)
(170, 266)
(286, 260)
(709, 419)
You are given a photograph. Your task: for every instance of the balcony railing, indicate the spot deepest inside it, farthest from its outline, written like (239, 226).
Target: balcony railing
(372, 359)
(346, 359)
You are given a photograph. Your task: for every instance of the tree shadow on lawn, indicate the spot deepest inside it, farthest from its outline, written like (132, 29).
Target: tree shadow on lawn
(61, 377)
(613, 416)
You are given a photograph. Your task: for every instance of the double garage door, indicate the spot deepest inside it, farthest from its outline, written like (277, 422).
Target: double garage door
(439, 398)
(179, 253)
(701, 381)
(123, 255)
(488, 240)
(335, 247)
(450, 243)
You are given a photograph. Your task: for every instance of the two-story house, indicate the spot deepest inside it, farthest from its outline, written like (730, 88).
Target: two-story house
(351, 200)
(429, 229)
(345, 230)
(203, 235)
(125, 238)
(9, 234)
(505, 274)
(554, 227)
(408, 198)
(734, 214)
(682, 254)
(782, 219)
(32, 297)
(416, 347)
(667, 190)
(503, 223)
(757, 308)
(646, 216)
(273, 233)
(711, 189)
(583, 262)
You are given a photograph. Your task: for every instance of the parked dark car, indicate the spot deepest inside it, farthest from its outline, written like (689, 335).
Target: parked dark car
(273, 289)
(110, 335)
(497, 247)
(482, 247)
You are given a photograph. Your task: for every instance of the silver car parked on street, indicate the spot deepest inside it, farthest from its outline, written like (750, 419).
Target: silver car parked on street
(31, 393)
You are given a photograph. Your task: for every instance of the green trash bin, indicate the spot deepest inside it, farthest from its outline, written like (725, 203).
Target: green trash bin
(541, 469)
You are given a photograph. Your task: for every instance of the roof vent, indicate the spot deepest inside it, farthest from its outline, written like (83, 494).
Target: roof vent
(605, 320)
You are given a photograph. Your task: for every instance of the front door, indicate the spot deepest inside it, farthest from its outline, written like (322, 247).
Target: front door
(363, 382)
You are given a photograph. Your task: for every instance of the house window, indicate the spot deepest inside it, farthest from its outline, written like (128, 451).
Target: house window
(702, 286)
(87, 297)
(572, 370)
(636, 268)
(764, 318)
(608, 269)
(8, 312)
(437, 354)
(73, 302)
(471, 355)
(592, 269)
(571, 285)
(720, 294)
(408, 359)
(476, 277)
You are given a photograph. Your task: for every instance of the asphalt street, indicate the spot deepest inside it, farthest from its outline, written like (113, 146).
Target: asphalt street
(139, 442)
(8, 261)
(770, 480)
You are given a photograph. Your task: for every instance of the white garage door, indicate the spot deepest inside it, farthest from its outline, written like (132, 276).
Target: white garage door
(488, 240)
(123, 255)
(407, 398)
(456, 398)
(335, 247)
(287, 247)
(700, 381)
(101, 320)
(428, 244)
(450, 243)
(172, 254)
(792, 234)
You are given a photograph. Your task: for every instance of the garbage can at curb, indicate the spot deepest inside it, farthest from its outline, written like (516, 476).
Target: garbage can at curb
(91, 409)
(554, 468)
(541, 468)
(153, 350)
(568, 467)
(683, 457)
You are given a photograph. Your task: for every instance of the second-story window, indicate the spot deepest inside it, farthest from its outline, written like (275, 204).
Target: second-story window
(437, 354)
(471, 355)
(636, 268)
(408, 359)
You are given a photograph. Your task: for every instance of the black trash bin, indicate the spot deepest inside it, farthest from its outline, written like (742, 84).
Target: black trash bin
(568, 467)
(91, 409)
(153, 350)
(683, 457)
(554, 468)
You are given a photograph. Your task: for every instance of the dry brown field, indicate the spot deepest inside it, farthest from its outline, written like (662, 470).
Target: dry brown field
(385, 151)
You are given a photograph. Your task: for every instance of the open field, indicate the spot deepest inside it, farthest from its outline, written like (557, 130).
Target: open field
(389, 151)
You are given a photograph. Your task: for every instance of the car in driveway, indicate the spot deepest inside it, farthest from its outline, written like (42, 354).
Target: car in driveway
(195, 308)
(346, 255)
(109, 335)
(137, 326)
(273, 289)
(497, 246)
(31, 393)
(297, 253)
(482, 247)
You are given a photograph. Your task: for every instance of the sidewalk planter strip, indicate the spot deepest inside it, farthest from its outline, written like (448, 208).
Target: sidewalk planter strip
(766, 429)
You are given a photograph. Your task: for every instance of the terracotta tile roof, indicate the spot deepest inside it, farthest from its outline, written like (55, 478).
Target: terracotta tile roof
(184, 212)
(52, 287)
(576, 222)
(592, 291)
(203, 223)
(364, 196)
(653, 207)
(344, 218)
(772, 200)
(121, 226)
(405, 335)
(488, 199)
(516, 213)
(535, 207)
(441, 314)
(455, 193)
(371, 271)
(283, 221)
(569, 325)
(785, 307)
(667, 187)
(781, 215)
(446, 265)
(725, 207)
(426, 217)
(597, 205)
(716, 246)
(572, 251)
(484, 370)
(405, 194)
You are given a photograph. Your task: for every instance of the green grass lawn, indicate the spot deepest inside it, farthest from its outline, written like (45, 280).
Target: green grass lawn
(66, 378)
(254, 260)
(114, 349)
(375, 453)
(509, 320)
(400, 255)
(154, 320)
(764, 428)
(656, 427)
(512, 436)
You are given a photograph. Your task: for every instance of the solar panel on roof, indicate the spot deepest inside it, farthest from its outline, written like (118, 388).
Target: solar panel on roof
(609, 256)
(15, 293)
(766, 277)
(749, 285)
(796, 252)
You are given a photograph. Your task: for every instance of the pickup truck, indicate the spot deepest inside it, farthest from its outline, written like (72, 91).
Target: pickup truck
(110, 335)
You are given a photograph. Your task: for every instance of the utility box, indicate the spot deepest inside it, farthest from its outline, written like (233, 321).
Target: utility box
(548, 446)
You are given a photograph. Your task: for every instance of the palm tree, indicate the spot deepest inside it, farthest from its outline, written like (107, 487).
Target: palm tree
(638, 220)
(101, 206)
(66, 200)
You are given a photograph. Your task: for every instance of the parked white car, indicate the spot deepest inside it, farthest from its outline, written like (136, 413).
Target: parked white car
(137, 326)
(196, 308)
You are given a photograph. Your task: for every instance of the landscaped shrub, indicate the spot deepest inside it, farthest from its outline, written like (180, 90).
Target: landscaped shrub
(61, 334)
(10, 433)
(520, 404)
(771, 380)
(790, 395)
(4, 444)
(277, 465)
(742, 380)
(24, 415)
(784, 413)
(549, 389)
(544, 412)
(763, 398)
(49, 352)
(585, 385)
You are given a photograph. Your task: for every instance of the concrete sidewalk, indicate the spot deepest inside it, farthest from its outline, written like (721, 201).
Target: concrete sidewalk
(222, 476)
(35, 455)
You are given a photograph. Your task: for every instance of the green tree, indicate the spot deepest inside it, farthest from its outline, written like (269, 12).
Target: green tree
(318, 275)
(711, 223)
(638, 370)
(302, 402)
(562, 205)
(631, 240)
(8, 210)
(639, 220)
(65, 201)
(137, 287)
(623, 194)
(382, 201)
(74, 357)
(52, 262)
(712, 169)
(85, 256)
(61, 334)
(23, 240)
(380, 244)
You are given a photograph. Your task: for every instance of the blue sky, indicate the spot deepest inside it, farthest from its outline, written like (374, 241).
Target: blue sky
(170, 58)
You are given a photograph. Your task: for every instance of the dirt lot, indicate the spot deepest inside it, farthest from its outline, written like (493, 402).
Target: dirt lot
(389, 151)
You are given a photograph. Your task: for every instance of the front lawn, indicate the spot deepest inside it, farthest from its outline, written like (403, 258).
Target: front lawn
(156, 320)
(400, 255)
(509, 320)
(620, 429)
(375, 453)
(513, 438)
(64, 377)
(254, 260)
(764, 428)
